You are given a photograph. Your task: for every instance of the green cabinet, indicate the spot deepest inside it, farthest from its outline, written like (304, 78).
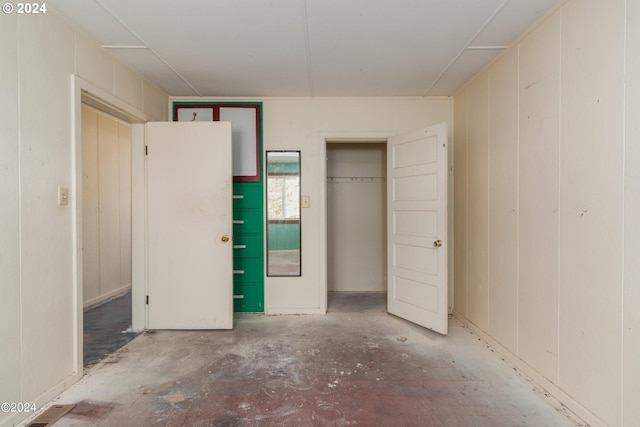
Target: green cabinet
(248, 193)
(248, 247)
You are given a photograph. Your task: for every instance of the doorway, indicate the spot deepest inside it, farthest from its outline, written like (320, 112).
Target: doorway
(356, 225)
(106, 233)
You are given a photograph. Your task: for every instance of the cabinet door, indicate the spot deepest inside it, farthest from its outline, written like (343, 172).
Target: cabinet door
(248, 215)
(189, 226)
(245, 119)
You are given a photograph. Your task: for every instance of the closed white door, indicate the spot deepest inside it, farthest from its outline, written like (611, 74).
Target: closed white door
(189, 224)
(417, 227)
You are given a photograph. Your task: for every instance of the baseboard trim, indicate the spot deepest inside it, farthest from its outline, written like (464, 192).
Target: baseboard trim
(556, 392)
(42, 402)
(292, 311)
(101, 299)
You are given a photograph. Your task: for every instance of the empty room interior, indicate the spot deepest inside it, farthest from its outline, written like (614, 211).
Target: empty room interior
(320, 213)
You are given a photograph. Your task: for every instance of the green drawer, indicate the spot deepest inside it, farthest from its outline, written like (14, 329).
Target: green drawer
(247, 246)
(247, 221)
(248, 242)
(247, 270)
(248, 297)
(247, 195)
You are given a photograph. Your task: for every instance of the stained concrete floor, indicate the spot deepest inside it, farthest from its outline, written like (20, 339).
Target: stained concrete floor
(355, 366)
(106, 329)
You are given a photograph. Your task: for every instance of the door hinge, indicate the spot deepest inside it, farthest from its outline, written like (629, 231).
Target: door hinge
(147, 299)
(146, 150)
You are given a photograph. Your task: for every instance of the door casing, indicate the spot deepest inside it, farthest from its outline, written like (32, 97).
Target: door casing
(359, 137)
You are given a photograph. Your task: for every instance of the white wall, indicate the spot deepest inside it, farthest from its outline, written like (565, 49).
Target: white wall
(38, 305)
(356, 217)
(305, 124)
(631, 280)
(106, 206)
(546, 235)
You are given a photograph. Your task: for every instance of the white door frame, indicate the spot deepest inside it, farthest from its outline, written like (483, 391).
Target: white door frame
(323, 139)
(354, 137)
(379, 144)
(104, 101)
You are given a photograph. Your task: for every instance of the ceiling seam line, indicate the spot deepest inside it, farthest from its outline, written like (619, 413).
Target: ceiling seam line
(307, 43)
(486, 47)
(114, 16)
(466, 46)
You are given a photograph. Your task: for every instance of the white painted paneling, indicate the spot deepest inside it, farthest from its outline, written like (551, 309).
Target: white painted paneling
(38, 359)
(577, 281)
(591, 209)
(538, 197)
(478, 202)
(93, 63)
(154, 102)
(45, 43)
(106, 198)
(348, 114)
(128, 86)
(10, 372)
(90, 207)
(460, 204)
(109, 203)
(124, 167)
(631, 295)
(356, 217)
(503, 200)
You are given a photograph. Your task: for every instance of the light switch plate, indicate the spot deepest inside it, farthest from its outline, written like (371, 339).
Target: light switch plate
(63, 196)
(306, 201)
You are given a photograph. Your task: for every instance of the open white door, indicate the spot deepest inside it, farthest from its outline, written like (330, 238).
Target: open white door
(417, 227)
(189, 223)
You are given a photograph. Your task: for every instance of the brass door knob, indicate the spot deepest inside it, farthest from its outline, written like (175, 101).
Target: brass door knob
(437, 243)
(225, 238)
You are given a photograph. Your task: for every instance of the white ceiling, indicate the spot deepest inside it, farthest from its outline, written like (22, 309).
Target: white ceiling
(305, 47)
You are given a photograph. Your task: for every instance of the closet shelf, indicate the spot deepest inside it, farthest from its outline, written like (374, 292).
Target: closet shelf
(355, 180)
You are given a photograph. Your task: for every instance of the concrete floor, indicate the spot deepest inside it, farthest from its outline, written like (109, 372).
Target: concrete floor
(106, 329)
(356, 366)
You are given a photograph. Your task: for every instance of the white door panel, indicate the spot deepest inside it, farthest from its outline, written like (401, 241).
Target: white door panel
(417, 227)
(190, 278)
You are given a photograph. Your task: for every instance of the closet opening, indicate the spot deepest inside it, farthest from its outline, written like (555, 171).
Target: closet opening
(356, 226)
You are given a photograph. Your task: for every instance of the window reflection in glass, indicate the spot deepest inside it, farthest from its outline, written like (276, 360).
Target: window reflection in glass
(283, 213)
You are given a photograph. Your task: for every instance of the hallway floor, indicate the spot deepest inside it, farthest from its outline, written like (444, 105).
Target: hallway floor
(356, 366)
(106, 329)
